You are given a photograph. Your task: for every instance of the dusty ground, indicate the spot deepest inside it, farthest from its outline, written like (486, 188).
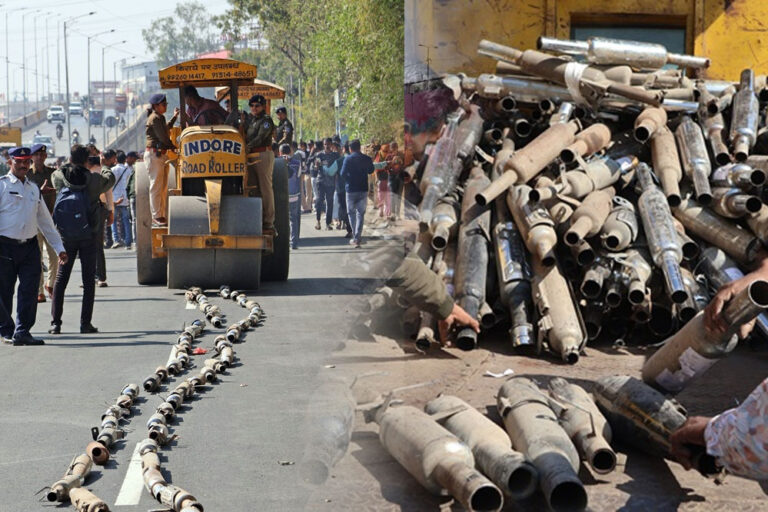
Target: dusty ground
(368, 478)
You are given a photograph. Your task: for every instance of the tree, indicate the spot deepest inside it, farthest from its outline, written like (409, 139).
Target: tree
(354, 46)
(181, 36)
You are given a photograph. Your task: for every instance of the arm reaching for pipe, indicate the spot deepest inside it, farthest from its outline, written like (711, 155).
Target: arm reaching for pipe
(713, 320)
(738, 437)
(426, 290)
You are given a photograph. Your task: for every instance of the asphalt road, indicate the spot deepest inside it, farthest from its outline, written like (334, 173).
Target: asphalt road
(78, 123)
(239, 443)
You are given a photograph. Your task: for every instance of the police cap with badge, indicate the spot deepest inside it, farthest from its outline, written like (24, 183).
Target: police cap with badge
(20, 153)
(38, 147)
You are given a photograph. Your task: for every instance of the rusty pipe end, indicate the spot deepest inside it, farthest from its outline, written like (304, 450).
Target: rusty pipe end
(722, 158)
(466, 339)
(469, 487)
(562, 487)
(570, 354)
(741, 148)
(97, 452)
(602, 460)
(440, 237)
(568, 155)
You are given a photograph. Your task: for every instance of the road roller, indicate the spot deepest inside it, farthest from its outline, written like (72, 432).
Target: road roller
(214, 231)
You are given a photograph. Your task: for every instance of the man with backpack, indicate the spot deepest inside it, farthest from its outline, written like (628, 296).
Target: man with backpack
(77, 216)
(22, 214)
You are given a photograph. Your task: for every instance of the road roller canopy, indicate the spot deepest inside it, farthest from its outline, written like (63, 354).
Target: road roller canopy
(269, 90)
(207, 73)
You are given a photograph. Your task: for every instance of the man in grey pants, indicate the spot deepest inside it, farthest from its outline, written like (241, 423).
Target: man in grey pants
(354, 172)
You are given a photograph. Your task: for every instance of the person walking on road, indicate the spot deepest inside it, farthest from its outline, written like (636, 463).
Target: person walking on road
(258, 138)
(158, 143)
(40, 175)
(326, 183)
(22, 213)
(307, 196)
(121, 227)
(78, 217)
(354, 172)
(293, 161)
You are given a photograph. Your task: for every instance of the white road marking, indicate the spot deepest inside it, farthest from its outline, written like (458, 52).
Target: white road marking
(130, 492)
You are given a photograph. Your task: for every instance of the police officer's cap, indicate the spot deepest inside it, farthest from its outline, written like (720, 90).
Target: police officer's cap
(158, 98)
(38, 147)
(257, 99)
(281, 110)
(20, 153)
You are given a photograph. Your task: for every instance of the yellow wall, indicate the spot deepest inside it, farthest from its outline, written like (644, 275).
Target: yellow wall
(734, 38)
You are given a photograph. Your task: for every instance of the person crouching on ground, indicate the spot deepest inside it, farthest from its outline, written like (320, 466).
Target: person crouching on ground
(77, 216)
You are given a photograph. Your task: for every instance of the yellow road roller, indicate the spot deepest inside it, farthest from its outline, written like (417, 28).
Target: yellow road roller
(214, 232)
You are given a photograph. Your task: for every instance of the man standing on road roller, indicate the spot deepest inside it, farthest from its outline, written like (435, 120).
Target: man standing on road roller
(284, 131)
(158, 143)
(258, 139)
(22, 213)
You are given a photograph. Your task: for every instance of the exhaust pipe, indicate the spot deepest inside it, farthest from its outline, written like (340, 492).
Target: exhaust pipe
(661, 234)
(621, 227)
(535, 431)
(584, 423)
(514, 275)
(535, 224)
(472, 261)
(695, 158)
(85, 501)
(588, 218)
(644, 418)
(588, 141)
(490, 446)
(650, 120)
(745, 115)
(666, 164)
(78, 470)
(693, 350)
(738, 243)
(642, 55)
(559, 322)
(435, 457)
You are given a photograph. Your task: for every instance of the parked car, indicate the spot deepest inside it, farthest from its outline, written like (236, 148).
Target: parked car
(75, 108)
(56, 113)
(50, 146)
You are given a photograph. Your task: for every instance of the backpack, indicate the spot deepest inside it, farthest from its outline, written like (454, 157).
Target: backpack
(71, 214)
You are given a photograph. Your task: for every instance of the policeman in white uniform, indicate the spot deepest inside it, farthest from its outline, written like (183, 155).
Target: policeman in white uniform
(22, 214)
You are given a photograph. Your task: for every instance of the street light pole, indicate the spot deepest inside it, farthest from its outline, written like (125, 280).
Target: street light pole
(103, 91)
(37, 72)
(90, 100)
(66, 72)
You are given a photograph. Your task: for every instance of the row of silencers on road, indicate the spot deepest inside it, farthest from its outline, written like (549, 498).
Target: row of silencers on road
(70, 487)
(172, 496)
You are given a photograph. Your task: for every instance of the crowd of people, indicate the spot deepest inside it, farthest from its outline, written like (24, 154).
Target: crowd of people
(52, 216)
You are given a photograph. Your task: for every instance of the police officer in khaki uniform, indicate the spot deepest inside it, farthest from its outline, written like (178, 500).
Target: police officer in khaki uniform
(40, 175)
(259, 128)
(284, 131)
